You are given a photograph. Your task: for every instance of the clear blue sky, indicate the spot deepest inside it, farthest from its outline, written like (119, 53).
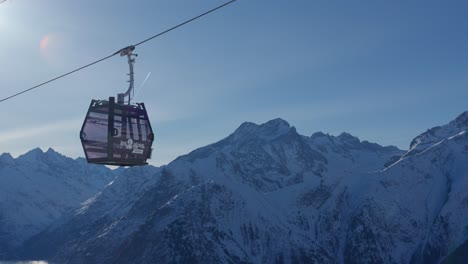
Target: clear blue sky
(381, 70)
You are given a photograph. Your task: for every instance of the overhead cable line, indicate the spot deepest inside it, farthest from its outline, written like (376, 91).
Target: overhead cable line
(56, 78)
(186, 22)
(119, 51)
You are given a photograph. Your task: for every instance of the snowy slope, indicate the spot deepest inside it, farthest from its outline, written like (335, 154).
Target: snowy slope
(103, 216)
(438, 134)
(415, 210)
(38, 188)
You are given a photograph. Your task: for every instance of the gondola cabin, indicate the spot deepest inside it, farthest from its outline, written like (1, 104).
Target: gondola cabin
(116, 134)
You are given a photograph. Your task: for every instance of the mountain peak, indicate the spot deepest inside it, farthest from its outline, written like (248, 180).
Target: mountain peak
(277, 123)
(269, 130)
(51, 151)
(6, 158)
(33, 154)
(462, 120)
(274, 128)
(37, 150)
(345, 136)
(246, 126)
(49, 156)
(437, 134)
(319, 134)
(53, 155)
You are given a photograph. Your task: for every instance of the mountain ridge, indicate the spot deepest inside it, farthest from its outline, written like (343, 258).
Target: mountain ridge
(266, 194)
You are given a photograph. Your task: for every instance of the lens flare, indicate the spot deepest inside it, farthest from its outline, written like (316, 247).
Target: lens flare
(44, 44)
(52, 48)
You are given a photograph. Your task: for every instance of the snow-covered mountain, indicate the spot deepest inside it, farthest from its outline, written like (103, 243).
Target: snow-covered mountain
(266, 194)
(39, 188)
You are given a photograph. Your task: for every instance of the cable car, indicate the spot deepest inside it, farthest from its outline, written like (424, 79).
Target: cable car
(118, 133)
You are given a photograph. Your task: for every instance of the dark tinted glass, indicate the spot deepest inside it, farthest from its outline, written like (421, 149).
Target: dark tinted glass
(130, 139)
